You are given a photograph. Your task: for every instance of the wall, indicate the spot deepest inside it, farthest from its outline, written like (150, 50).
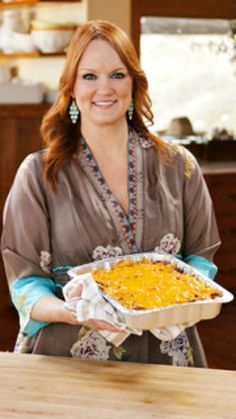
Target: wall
(118, 12)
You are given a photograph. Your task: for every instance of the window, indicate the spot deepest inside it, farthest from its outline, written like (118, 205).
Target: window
(191, 69)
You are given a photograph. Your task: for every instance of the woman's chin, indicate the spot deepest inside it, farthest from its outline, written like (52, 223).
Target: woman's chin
(109, 120)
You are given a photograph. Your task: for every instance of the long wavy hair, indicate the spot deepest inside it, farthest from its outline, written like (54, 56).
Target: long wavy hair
(60, 136)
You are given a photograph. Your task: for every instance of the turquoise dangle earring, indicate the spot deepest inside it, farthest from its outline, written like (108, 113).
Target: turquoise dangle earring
(74, 112)
(131, 110)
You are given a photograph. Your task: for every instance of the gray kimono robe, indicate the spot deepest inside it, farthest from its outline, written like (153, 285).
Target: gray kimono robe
(45, 232)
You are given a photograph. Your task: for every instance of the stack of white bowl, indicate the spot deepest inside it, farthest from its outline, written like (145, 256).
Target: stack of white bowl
(13, 37)
(51, 37)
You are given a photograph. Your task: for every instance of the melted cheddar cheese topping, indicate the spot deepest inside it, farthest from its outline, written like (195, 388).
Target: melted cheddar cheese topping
(146, 285)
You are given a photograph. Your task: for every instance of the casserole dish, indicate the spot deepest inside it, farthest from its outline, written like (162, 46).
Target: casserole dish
(186, 312)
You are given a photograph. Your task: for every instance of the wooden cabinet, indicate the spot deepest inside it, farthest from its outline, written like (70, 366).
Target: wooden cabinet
(19, 127)
(222, 187)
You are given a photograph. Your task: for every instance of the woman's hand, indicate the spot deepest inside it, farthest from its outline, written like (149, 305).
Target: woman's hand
(75, 292)
(92, 324)
(53, 310)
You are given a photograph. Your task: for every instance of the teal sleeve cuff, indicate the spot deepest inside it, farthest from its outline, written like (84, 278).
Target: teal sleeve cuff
(202, 265)
(25, 293)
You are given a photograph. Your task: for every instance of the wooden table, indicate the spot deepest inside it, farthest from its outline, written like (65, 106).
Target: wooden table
(35, 386)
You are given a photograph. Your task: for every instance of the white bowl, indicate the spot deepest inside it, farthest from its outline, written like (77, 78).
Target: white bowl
(52, 40)
(23, 42)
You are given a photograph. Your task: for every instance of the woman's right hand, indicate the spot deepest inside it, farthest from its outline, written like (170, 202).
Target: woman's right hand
(70, 317)
(75, 292)
(92, 323)
(51, 309)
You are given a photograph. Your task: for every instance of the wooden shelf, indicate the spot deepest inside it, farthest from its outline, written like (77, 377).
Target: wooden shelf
(60, 1)
(35, 54)
(20, 55)
(20, 3)
(17, 3)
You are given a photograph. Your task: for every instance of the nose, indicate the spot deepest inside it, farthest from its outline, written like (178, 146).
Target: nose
(104, 85)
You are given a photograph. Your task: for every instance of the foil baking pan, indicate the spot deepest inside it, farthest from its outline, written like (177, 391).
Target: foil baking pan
(189, 313)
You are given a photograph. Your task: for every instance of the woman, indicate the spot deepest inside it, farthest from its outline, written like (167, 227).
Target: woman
(104, 186)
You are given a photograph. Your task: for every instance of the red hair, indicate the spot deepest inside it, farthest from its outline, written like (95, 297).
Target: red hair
(61, 136)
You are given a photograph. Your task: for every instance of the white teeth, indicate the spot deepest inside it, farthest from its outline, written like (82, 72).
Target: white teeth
(103, 103)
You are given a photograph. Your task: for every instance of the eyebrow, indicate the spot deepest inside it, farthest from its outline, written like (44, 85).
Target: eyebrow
(93, 69)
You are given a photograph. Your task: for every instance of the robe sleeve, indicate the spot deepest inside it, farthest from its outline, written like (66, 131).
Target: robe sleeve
(25, 241)
(201, 237)
(25, 293)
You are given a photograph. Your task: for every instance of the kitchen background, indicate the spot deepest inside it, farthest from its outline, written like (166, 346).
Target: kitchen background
(188, 51)
(46, 69)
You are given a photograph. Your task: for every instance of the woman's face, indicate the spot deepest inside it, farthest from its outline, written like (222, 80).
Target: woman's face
(103, 87)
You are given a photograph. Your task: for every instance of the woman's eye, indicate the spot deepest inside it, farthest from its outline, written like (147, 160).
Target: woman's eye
(89, 76)
(118, 75)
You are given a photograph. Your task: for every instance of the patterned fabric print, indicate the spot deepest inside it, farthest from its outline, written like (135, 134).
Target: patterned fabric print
(91, 345)
(179, 349)
(189, 159)
(169, 244)
(139, 193)
(132, 184)
(45, 261)
(101, 252)
(24, 344)
(189, 164)
(107, 194)
(146, 142)
(24, 309)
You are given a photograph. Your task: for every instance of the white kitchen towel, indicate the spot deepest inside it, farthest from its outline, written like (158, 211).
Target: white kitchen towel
(91, 305)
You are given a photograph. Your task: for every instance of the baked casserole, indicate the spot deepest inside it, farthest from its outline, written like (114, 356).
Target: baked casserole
(148, 284)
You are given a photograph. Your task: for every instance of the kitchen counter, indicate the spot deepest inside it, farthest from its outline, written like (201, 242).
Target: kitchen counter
(36, 386)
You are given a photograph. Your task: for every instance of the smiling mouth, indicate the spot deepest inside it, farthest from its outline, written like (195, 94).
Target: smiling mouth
(103, 103)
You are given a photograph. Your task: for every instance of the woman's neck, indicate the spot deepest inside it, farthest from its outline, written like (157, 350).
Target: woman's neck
(110, 140)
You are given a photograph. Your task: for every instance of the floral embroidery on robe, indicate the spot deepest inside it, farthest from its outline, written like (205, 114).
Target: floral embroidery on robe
(179, 349)
(104, 252)
(92, 345)
(45, 261)
(169, 244)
